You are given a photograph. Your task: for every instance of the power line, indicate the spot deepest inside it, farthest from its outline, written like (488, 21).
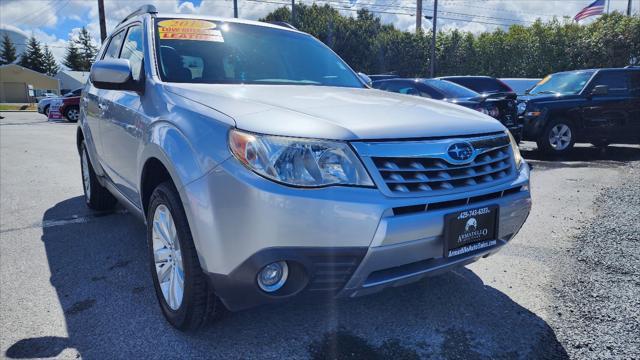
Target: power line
(404, 7)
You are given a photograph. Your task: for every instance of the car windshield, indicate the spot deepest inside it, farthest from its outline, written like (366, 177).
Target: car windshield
(569, 83)
(451, 90)
(520, 86)
(217, 52)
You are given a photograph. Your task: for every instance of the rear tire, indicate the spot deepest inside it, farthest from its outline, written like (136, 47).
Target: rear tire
(558, 137)
(72, 114)
(96, 196)
(186, 297)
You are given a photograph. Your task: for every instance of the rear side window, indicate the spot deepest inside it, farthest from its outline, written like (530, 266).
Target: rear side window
(114, 46)
(481, 84)
(132, 50)
(617, 81)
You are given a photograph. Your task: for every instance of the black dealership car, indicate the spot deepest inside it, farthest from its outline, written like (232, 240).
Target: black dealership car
(480, 84)
(501, 106)
(598, 106)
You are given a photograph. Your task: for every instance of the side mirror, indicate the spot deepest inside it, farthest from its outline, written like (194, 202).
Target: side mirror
(367, 80)
(600, 90)
(113, 74)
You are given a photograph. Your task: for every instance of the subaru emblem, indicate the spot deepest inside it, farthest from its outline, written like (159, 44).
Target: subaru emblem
(460, 151)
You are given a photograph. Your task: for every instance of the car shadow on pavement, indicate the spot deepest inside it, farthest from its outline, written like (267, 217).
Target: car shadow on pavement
(100, 273)
(584, 156)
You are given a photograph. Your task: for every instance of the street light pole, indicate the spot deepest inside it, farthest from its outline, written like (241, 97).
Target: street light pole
(433, 39)
(293, 12)
(418, 16)
(235, 9)
(103, 23)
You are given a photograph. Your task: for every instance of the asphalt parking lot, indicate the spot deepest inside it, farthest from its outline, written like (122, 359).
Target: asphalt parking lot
(75, 283)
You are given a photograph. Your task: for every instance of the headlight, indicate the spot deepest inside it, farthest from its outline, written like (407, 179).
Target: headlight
(299, 162)
(517, 157)
(522, 106)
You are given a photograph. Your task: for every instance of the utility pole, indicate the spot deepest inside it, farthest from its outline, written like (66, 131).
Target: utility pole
(433, 39)
(628, 7)
(235, 9)
(103, 24)
(293, 11)
(418, 16)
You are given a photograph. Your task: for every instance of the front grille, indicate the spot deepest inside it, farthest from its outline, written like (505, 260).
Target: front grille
(434, 175)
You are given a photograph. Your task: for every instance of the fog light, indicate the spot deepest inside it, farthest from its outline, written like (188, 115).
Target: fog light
(273, 276)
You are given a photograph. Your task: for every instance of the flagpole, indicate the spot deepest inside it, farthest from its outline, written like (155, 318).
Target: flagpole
(608, 3)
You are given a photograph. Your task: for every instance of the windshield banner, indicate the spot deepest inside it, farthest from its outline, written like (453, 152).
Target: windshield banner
(187, 29)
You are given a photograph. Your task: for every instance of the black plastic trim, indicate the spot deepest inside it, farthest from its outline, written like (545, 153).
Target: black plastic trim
(324, 269)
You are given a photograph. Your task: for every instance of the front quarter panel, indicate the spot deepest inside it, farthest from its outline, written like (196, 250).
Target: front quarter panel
(188, 138)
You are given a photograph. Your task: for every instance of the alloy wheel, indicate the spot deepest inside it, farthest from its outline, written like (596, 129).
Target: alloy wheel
(167, 257)
(72, 114)
(560, 137)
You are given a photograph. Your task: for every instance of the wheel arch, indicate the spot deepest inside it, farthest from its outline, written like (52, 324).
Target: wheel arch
(167, 155)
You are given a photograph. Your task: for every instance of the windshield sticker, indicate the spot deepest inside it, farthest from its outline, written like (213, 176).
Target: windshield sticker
(186, 29)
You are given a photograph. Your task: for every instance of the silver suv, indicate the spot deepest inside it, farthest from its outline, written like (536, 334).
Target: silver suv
(264, 167)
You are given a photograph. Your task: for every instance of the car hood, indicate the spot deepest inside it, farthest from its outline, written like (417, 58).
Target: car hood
(336, 113)
(545, 97)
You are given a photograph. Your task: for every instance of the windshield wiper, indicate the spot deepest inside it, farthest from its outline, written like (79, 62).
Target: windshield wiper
(546, 92)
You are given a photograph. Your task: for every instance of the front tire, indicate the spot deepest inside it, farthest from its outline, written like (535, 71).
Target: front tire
(72, 114)
(185, 296)
(96, 196)
(557, 138)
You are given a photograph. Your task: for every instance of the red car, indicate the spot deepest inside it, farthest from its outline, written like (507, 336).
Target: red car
(70, 108)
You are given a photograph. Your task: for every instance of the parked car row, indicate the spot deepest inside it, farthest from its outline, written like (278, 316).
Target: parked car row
(499, 105)
(597, 106)
(70, 107)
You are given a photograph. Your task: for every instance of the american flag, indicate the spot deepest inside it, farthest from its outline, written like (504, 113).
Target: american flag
(596, 8)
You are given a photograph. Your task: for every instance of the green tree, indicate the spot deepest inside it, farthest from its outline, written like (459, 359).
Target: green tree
(80, 52)
(51, 67)
(8, 53)
(612, 40)
(87, 49)
(33, 57)
(72, 58)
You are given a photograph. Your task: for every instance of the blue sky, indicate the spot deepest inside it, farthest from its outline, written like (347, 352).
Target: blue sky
(54, 21)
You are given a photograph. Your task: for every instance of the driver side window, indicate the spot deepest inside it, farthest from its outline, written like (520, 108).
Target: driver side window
(616, 81)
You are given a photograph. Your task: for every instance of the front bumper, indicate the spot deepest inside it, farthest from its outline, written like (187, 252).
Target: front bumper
(346, 241)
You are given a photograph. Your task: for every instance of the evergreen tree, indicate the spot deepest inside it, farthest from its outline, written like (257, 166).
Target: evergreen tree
(87, 49)
(72, 58)
(51, 67)
(8, 52)
(33, 57)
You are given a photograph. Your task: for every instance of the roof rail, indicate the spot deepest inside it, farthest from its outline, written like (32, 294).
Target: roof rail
(144, 9)
(282, 24)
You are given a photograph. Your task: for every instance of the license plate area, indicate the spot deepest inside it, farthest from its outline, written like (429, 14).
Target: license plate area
(470, 230)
